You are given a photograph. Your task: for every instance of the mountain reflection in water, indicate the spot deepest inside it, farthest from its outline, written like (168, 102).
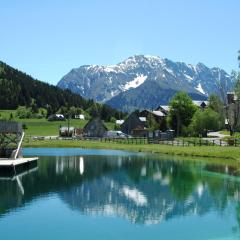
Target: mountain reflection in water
(141, 189)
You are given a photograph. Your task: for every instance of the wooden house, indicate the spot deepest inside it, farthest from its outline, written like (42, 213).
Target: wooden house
(159, 117)
(134, 122)
(157, 114)
(95, 128)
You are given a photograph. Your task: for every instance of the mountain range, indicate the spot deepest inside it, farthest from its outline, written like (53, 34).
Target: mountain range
(143, 81)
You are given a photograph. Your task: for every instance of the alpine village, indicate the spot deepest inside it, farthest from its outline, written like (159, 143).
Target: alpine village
(99, 140)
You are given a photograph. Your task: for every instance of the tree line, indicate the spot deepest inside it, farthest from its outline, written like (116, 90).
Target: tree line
(19, 89)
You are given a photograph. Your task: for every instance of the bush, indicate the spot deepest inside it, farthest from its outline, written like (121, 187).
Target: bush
(23, 112)
(112, 119)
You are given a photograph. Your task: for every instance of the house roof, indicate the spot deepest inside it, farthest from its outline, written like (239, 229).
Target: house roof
(10, 127)
(165, 107)
(158, 113)
(96, 120)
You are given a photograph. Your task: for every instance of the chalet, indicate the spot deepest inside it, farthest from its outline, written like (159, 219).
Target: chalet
(134, 124)
(158, 115)
(95, 128)
(56, 117)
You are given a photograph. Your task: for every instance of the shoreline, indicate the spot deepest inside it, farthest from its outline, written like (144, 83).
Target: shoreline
(206, 152)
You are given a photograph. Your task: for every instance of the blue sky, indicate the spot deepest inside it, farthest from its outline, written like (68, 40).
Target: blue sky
(48, 38)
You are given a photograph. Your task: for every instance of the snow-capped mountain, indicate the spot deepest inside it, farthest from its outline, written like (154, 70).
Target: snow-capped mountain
(145, 81)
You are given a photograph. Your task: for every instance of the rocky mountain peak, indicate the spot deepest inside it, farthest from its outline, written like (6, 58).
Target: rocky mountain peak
(122, 85)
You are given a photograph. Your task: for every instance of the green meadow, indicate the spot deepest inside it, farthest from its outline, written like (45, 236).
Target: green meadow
(43, 127)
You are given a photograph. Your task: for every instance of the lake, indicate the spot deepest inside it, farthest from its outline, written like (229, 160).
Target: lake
(105, 194)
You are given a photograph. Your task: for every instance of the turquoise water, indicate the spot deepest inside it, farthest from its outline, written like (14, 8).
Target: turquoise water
(102, 194)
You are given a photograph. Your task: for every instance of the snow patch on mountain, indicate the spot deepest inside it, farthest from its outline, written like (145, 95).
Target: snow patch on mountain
(189, 78)
(136, 82)
(114, 93)
(200, 89)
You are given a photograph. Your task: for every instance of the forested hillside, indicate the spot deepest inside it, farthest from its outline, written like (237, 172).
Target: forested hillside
(20, 89)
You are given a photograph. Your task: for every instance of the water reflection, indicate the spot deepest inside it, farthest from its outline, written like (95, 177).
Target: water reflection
(140, 189)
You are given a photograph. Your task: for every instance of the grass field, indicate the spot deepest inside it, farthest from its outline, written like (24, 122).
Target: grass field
(42, 127)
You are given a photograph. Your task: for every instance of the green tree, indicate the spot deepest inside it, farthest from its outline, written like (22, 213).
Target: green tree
(204, 120)
(181, 112)
(19, 89)
(113, 120)
(216, 104)
(23, 112)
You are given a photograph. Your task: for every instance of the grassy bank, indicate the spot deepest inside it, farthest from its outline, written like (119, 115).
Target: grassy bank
(42, 127)
(231, 153)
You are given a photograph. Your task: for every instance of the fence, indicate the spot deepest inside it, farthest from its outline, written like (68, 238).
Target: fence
(126, 140)
(139, 141)
(200, 142)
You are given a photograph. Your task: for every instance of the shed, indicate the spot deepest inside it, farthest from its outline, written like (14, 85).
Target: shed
(95, 128)
(66, 131)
